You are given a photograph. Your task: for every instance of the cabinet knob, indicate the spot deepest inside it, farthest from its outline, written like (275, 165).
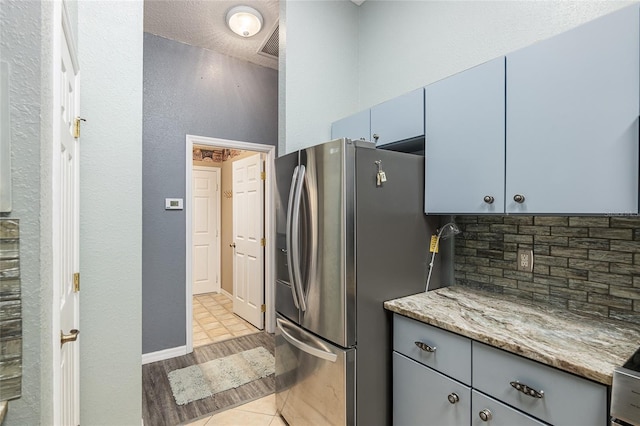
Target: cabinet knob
(489, 199)
(518, 198)
(376, 136)
(453, 397)
(485, 415)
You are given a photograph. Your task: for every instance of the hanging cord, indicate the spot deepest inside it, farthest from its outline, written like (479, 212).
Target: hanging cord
(452, 229)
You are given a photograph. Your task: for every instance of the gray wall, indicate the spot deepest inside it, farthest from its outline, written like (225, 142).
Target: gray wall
(188, 90)
(20, 47)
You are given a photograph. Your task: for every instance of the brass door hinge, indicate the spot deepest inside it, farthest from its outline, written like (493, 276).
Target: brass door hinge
(263, 242)
(263, 176)
(76, 282)
(263, 308)
(76, 127)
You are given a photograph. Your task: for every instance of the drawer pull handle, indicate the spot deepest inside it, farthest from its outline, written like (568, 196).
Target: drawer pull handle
(453, 397)
(425, 347)
(527, 390)
(485, 415)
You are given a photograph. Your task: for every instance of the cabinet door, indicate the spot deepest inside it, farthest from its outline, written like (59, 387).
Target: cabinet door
(354, 127)
(495, 413)
(398, 119)
(572, 120)
(465, 141)
(421, 396)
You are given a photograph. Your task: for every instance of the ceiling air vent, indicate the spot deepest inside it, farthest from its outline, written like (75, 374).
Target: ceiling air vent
(270, 47)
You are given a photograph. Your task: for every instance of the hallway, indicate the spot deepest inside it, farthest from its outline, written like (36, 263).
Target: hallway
(214, 320)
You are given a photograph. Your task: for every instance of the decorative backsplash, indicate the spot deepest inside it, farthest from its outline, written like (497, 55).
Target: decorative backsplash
(585, 264)
(10, 311)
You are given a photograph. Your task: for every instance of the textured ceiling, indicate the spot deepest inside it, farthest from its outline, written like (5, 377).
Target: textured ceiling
(202, 23)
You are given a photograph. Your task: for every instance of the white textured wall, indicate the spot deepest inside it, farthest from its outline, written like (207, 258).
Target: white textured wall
(110, 51)
(319, 78)
(409, 44)
(20, 47)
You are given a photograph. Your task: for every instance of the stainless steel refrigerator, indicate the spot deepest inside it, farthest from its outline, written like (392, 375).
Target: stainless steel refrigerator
(351, 233)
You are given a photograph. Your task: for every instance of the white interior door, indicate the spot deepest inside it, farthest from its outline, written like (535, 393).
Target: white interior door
(248, 232)
(206, 229)
(65, 190)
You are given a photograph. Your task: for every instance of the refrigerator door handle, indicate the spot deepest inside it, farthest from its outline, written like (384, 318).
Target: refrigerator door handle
(317, 352)
(292, 191)
(295, 239)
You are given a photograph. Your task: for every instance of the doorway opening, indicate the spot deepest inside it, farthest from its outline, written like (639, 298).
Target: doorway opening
(244, 253)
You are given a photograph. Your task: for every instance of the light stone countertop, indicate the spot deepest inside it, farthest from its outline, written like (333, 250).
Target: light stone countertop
(587, 346)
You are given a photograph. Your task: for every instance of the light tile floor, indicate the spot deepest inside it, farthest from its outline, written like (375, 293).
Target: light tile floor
(261, 412)
(214, 320)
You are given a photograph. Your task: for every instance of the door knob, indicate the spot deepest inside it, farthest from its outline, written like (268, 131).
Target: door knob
(489, 199)
(518, 198)
(453, 397)
(232, 245)
(71, 337)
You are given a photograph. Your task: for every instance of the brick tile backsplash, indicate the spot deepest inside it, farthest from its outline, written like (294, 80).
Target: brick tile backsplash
(10, 311)
(584, 264)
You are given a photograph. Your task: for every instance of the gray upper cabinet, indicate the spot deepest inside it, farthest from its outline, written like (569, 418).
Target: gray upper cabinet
(398, 119)
(572, 120)
(355, 126)
(465, 141)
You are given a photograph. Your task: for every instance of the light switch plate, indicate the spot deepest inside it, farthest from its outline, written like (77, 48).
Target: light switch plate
(173, 203)
(525, 260)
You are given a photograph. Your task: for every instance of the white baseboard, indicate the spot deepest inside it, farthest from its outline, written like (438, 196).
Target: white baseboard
(226, 293)
(163, 354)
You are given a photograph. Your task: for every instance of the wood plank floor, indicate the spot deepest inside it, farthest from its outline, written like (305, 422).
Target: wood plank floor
(158, 405)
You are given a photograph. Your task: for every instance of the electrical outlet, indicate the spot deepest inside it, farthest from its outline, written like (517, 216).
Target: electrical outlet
(525, 260)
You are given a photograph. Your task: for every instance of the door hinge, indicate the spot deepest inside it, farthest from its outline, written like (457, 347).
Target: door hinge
(76, 127)
(263, 242)
(263, 176)
(76, 282)
(263, 308)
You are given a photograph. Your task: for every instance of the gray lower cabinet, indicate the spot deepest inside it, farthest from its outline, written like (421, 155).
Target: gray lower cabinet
(486, 411)
(431, 384)
(356, 126)
(464, 143)
(422, 396)
(561, 398)
(572, 120)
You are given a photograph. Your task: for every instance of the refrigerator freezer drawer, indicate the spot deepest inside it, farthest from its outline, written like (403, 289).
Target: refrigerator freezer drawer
(315, 380)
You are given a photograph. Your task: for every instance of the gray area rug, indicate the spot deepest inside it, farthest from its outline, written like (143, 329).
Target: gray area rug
(159, 407)
(204, 380)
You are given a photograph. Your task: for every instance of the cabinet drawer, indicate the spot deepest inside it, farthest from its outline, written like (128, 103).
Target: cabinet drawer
(499, 413)
(566, 400)
(421, 396)
(451, 355)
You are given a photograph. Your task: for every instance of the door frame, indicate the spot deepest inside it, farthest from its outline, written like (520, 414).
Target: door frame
(269, 227)
(218, 222)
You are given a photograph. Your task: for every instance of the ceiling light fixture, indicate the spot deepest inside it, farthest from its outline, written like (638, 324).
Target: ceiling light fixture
(244, 21)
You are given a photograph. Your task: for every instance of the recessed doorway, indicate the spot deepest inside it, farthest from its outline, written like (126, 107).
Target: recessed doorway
(230, 262)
